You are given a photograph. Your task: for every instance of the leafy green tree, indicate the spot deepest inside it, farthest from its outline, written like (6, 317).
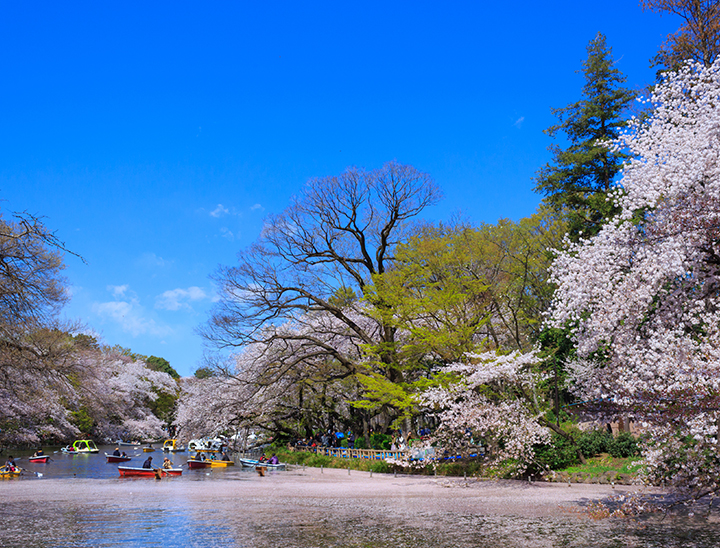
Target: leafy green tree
(580, 177)
(162, 365)
(455, 290)
(204, 372)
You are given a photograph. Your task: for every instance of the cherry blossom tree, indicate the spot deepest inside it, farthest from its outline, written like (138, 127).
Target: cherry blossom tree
(491, 399)
(641, 298)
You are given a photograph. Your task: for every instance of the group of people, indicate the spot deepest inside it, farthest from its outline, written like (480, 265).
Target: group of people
(167, 463)
(272, 460)
(117, 453)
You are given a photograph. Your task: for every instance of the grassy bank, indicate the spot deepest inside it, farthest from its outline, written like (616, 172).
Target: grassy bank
(600, 469)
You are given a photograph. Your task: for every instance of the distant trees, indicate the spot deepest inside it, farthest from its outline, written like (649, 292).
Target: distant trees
(581, 176)
(55, 382)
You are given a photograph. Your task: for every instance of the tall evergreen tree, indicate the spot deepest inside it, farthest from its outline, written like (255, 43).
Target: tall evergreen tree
(579, 177)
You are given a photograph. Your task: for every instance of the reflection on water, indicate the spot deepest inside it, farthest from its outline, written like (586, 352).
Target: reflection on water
(82, 502)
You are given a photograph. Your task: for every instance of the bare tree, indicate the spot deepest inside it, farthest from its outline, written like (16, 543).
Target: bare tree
(296, 290)
(698, 38)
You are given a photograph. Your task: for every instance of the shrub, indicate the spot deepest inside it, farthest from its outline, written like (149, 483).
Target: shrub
(623, 445)
(380, 441)
(594, 442)
(558, 454)
(360, 443)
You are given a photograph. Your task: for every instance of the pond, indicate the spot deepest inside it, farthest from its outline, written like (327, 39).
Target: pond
(81, 501)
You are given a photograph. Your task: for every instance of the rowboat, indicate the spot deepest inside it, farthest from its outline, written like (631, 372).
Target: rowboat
(116, 458)
(81, 447)
(122, 443)
(206, 445)
(148, 449)
(252, 463)
(131, 472)
(192, 463)
(221, 463)
(172, 446)
(42, 459)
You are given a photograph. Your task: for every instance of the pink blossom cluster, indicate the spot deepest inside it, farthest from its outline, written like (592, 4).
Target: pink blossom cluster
(641, 298)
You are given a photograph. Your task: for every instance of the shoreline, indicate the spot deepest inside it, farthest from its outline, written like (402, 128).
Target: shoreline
(309, 488)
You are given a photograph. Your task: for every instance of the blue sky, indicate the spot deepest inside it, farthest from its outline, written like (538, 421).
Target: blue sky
(155, 137)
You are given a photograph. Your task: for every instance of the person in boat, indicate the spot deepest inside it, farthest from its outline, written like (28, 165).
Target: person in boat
(10, 465)
(274, 459)
(147, 463)
(225, 457)
(116, 453)
(262, 458)
(167, 463)
(200, 456)
(39, 453)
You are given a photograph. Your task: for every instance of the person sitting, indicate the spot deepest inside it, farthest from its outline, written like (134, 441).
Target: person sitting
(225, 457)
(123, 454)
(273, 459)
(200, 456)
(167, 463)
(147, 463)
(262, 458)
(116, 453)
(10, 464)
(39, 453)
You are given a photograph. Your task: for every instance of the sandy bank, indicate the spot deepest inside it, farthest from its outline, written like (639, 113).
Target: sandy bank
(302, 491)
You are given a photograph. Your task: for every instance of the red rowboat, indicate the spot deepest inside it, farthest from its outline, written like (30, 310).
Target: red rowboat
(41, 458)
(129, 471)
(116, 458)
(192, 463)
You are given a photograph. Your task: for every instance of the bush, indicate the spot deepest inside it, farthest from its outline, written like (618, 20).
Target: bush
(380, 441)
(594, 442)
(360, 443)
(558, 454)
(623, 445)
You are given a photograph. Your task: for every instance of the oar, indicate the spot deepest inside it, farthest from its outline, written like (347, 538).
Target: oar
(38, 474)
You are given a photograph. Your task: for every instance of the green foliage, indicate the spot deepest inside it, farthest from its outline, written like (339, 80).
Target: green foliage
(380, 441)
(558, 454)
(594, 442)
(360, 443)
(82, 419)
(162, 365)
(580, 177)
(343, 297)
(204, 373)
(624, 445)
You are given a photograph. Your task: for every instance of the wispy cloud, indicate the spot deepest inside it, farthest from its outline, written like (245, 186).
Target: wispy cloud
(150, 260)
(118, 291)
(219, 211)
(127, 312)
(518, 123)
(227, 233)
(257, 207)
(177, 299)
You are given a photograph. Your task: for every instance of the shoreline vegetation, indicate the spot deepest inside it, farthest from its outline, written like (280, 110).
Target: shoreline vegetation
(602, 469)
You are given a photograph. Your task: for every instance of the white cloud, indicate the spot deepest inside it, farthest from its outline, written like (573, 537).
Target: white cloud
(256, 207)
(518, 123)
(117, 291)
(129, 316)
(227, 233)
(219, 211)
(176, 299)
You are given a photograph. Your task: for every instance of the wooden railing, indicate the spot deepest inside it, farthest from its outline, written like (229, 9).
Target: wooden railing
(369, 454)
